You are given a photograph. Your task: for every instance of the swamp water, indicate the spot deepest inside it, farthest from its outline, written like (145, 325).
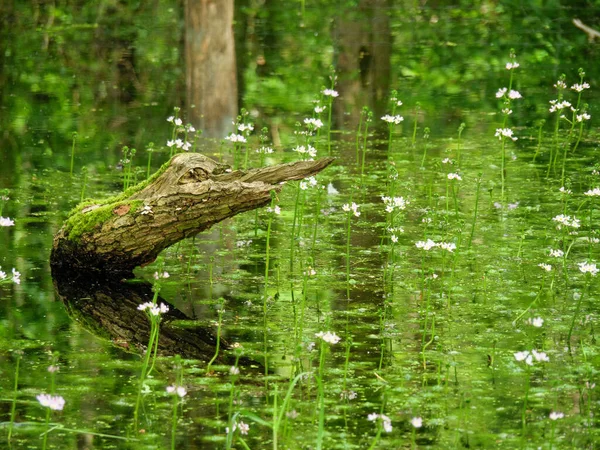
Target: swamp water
(460, 312)
(430, 334)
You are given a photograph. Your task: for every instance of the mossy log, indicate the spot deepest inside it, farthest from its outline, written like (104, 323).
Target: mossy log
(187, 195)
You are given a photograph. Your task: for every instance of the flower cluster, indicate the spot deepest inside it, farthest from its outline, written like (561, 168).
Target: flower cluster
(512, 94)
(555, 415)
(505, 132)
(557, 253)
(309, 182)
(307, 150)
(557, 105)
(265, 150)
(329, 337)
(314, 124)
(233, 137)
(392, 203)
(179, 390)
(567, 221)
(275, 210)
(454, 176)
(416, 422)
(546, 267)
(158, 276)
(385, 421)
(352, 207)
(243, 427)
(153, 309)
(529, 357)
(590, 268)
(429, 244)
(330, 93)
(393, 119)
(184, 145)
(54, 402)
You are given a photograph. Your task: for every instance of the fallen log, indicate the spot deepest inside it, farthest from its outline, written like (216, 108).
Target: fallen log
(187, 195)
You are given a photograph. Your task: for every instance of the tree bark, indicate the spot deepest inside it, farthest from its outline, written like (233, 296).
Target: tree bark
(210, 65)
(187, 195)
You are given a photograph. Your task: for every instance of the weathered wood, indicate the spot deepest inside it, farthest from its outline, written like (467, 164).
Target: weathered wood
(188, 195)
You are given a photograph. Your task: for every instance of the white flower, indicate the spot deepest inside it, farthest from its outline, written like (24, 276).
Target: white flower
(416, 422)
(546, 267)
(454, 176)
(521, 356)
(303, 185)
(264, 150)
(447, 161)
(178, 122)
(555, 415)
(426, 245)
(567, 221)
(245, 127)
(506, 132)
(394, 238)
(560, 85)
(179, 390)
(580, 87)
(536, 322)
(234, 370)
(557, 253)
(55, 402)
(557, 106)
(501, 92)
(447, 246)
(244, 428)
(330, 93)
(593, 192)
(320, 109)
(507, 111)
(585, 267)
(582, 117)
(236, 138)
(16, 276)
(276, 210)
(394, 203)
(190, 128)
(170, 119)
(186, 146)
(306, 150)
(514, 94)
(540, 356)
(385, 421)
(512, 65)
(170, 143)
(328, 336)
(353, 207)
(564, 190)
(315, 123)
(6, 222)
(392, 119)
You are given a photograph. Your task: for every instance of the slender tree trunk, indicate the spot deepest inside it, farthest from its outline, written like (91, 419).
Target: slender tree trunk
(363, 42)
(210, 65)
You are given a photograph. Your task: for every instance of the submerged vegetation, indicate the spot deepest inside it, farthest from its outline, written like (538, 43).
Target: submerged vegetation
(437, 287)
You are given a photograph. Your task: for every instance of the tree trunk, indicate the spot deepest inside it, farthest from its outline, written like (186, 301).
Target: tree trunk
(210, 65)
(364, 41)
(187, 195)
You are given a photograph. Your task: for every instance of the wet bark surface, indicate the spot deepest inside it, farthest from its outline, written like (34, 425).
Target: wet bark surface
(192, 194)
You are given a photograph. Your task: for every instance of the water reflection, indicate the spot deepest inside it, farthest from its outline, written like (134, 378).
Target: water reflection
(108, 309)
